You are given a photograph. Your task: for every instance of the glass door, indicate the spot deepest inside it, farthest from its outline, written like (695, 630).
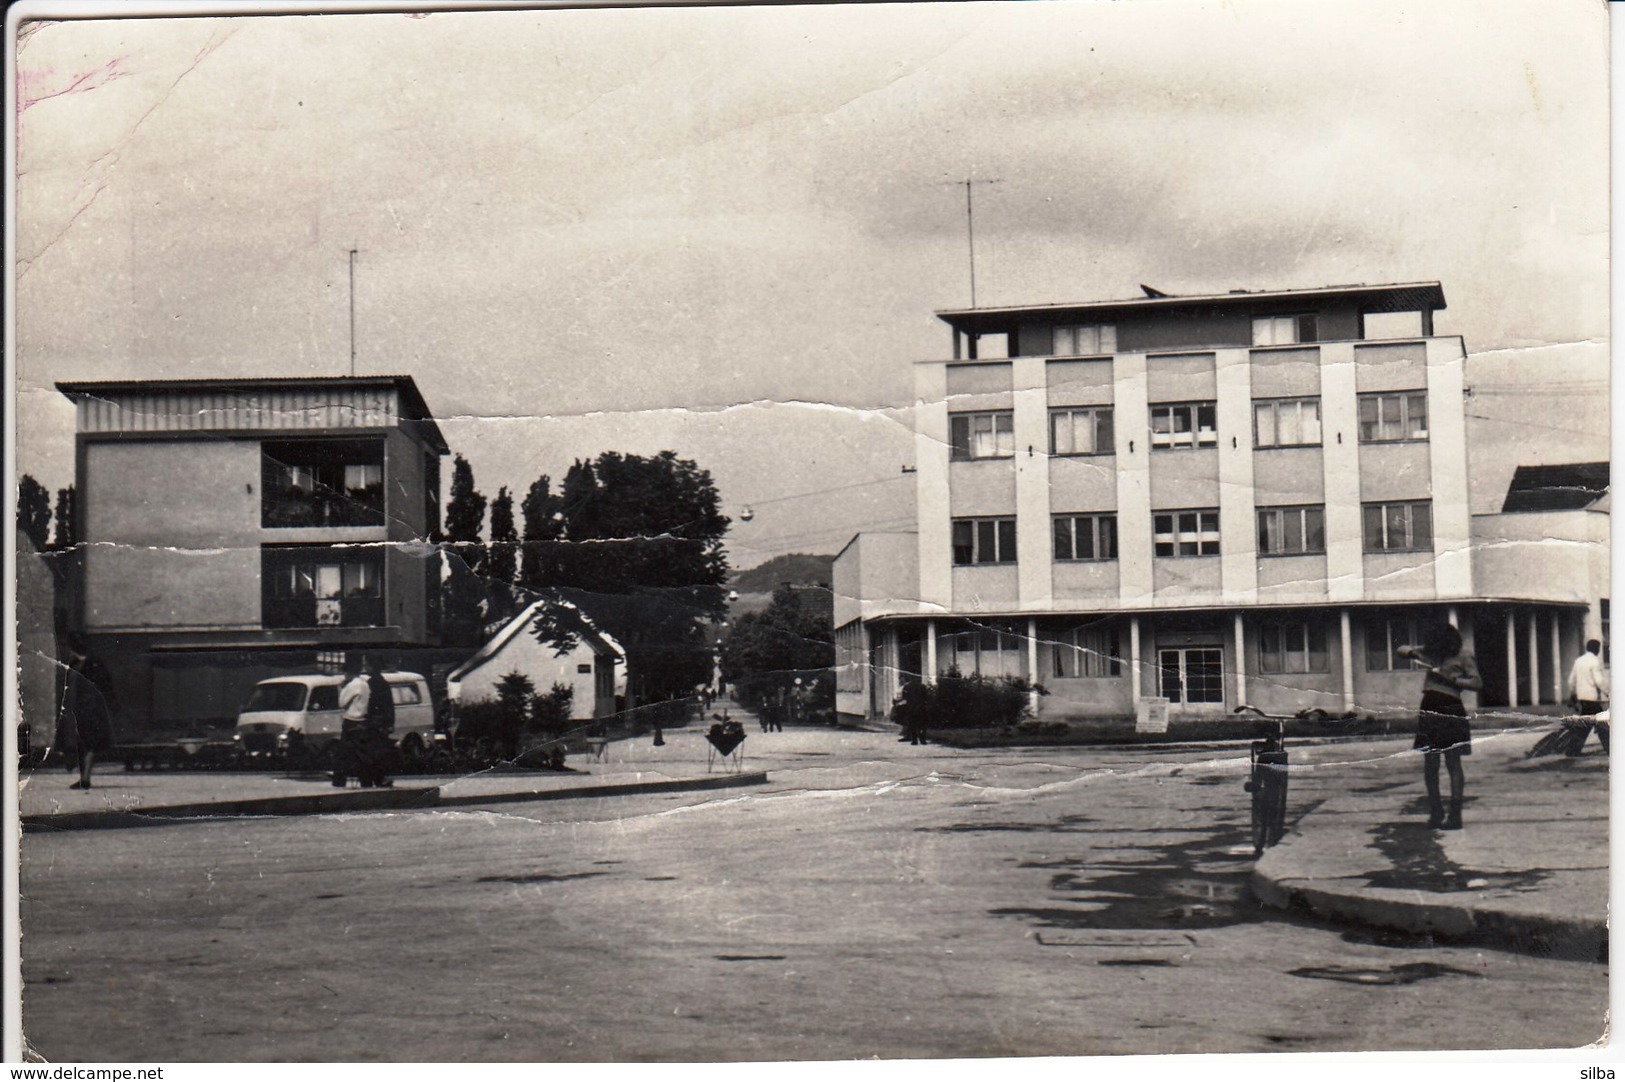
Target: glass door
(1193, 675)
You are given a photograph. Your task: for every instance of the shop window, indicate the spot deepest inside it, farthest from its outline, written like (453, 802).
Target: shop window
(1293, 647)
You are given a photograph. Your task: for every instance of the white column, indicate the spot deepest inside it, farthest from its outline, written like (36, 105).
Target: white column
(1447, 458)
(1512, 661)
(1132, 427)
(1035, 561)
(930, 674)
(1470, 644)
(932, 514)
(1134, 658)
(1032, 663)
(1240, 662)
(1340, 459)
(1238, 521)
(1346, 643)
(1534, 661)
(1557, 659)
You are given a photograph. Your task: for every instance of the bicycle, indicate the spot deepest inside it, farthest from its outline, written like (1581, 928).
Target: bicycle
(1267, 784)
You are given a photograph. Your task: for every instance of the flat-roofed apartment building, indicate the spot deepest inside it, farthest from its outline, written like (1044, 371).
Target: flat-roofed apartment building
(1248, 497)
(237, 529)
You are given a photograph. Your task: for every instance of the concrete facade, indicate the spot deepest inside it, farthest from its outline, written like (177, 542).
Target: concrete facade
(1279, 502)
(238, 529)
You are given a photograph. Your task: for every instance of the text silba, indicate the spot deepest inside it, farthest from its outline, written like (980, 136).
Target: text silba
(1590, 1073)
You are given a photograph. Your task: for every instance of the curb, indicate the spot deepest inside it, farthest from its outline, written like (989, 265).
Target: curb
(714, 781)
(373, 800)
(1407, 912)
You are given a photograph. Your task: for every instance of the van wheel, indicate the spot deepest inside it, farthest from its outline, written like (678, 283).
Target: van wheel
(412, 748)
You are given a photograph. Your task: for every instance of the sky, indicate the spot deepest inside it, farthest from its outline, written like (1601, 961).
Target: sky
(725, 231)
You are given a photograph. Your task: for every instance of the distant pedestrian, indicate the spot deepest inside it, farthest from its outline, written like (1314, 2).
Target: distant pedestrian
(84, 722)
(380, 736)
(354, 698)
(1442, 728)
(1589, 687)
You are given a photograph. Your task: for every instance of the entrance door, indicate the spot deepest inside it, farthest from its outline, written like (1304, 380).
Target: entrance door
(1193, 675)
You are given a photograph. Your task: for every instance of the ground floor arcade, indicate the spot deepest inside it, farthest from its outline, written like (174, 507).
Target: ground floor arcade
(1208, 662)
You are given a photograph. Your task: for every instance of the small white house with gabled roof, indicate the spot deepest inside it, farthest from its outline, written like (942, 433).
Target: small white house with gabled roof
(595, 670)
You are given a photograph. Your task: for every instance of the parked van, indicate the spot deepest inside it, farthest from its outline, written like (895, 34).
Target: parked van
(294, 710)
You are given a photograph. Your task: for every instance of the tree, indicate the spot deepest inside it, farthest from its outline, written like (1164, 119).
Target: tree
(766, 652)
(463, 605)
(638, 554)
(501, 561)
(544, 527)
(34, 511)
(465, 510)
(67, 519)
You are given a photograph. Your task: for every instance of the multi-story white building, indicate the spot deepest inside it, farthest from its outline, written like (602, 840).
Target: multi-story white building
(1248, 497)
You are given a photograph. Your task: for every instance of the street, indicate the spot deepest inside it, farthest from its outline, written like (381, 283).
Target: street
(876, 899)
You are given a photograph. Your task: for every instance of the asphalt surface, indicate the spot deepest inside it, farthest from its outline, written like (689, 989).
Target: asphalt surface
(873, 899)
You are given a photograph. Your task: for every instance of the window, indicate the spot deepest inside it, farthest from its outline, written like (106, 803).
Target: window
(1186, 533)
(1386, 418)
(320, 482)
(1392, 325)
(992, 649)
(1081, 431)
(1292, 648)
(1285, 330)
(984, 541)
(1383, 639)
(1291, 531)
(1399, 527)
(982, 435)
(1086, 537)
(1185, 424)
(1087, 651)
(1192, 674)
(1286, 422)
(317, 586)
(1085, 340)
(405, 694)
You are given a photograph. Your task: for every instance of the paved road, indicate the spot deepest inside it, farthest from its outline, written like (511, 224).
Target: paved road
(876, 900)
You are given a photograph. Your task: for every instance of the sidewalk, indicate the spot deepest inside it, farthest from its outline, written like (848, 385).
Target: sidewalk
(1529, 870)
(150, 798)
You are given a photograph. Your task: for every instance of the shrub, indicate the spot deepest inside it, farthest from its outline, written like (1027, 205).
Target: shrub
(550, 713)
(956, 701)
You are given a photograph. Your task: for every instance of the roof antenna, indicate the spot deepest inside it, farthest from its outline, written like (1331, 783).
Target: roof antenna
(352, 312)
(970, 228)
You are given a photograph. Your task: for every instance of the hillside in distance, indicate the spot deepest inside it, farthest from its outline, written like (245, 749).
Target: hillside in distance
(797, 567)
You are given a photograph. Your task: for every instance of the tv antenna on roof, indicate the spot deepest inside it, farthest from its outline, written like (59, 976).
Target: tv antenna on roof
(970, 227)
(352, 312)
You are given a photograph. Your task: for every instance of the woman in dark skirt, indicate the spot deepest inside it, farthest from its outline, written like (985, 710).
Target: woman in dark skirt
(1441, 723)
(84, 724)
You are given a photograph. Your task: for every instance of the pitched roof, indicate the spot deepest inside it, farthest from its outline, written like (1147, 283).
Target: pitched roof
(592, 637)
(1567, 487)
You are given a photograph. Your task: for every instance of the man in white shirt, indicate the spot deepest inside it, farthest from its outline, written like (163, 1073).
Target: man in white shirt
(1588, 690)
(354, 698)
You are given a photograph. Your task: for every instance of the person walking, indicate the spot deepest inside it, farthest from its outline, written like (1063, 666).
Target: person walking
(1442, 729)
(354, 698)
(84, 722)
(380, 729)
(1589, 687)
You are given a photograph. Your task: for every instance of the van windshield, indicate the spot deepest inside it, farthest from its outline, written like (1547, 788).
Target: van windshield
(276, 697)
